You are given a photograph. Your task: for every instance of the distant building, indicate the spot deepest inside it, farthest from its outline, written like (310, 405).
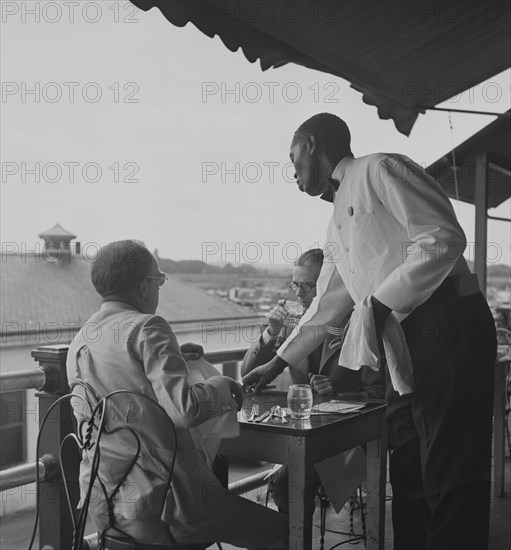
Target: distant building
(243, 296)
(47, 295)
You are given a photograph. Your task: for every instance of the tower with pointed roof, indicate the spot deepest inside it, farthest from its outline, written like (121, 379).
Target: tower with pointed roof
(57, 243)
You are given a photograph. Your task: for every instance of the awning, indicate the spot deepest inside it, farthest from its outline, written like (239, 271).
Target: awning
(495, 141)
(402, 56)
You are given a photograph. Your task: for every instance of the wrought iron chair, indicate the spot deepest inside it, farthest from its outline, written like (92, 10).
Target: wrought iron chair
(355, 502)
(102, 424)
(504, 353)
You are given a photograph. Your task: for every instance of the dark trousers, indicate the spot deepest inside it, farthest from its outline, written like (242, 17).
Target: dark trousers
(440, 437)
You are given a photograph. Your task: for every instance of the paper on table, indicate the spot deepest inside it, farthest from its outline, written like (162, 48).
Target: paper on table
(208, 435)
(336, 407)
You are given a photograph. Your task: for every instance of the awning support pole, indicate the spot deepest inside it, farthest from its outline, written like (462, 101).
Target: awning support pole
(481, 222)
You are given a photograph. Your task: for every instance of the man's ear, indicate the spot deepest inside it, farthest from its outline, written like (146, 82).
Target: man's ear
(312, 144)
(143, 288)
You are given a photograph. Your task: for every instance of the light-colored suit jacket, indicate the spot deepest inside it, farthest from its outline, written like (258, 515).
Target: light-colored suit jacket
(120, 348)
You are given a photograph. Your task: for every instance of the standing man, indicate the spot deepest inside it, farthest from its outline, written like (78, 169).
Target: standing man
(394, 237)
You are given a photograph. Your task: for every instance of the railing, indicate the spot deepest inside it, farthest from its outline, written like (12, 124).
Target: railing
(50, 381)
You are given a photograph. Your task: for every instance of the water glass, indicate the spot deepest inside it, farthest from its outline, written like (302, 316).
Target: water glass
(294, 310)
(299, 401)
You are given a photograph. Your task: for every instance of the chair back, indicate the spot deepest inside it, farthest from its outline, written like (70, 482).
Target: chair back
(118, 436)
(503, 344)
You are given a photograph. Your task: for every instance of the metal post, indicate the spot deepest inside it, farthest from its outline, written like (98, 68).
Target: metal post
(481, 223)
(55, 527)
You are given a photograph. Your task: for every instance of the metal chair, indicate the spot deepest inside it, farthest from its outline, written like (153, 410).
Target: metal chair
(102, 425)
(504, 353)
(355, 502)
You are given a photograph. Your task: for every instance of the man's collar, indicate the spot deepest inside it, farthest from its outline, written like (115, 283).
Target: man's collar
(336, 178)
(340, 169)
(117, 304)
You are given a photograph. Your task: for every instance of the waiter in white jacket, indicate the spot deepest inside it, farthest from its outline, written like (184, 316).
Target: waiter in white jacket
(394, 238)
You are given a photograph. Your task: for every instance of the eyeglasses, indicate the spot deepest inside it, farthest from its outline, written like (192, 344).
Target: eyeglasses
(306, 287)
(160, 278)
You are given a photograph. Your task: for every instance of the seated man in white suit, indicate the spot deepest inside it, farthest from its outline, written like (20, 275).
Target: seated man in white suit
(125, 346)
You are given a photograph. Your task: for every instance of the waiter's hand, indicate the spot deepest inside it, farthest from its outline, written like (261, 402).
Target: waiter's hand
(263, 375)
(321, 384)
(380, 313)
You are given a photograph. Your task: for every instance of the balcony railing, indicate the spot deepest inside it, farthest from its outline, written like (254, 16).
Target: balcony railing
(50, 381)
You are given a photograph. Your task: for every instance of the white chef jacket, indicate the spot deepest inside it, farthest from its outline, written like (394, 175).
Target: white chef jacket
(393, 234)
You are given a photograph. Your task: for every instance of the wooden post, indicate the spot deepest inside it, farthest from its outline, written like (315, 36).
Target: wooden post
(481, 221)
(55, 526)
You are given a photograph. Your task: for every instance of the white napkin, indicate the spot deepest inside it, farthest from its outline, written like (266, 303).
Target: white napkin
(208, 435)
(360, 347)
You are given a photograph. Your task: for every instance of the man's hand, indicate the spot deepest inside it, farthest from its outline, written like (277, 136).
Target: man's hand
(321, 384)
(191, 351)
(263, 375)
(276, 318)
(236, 391)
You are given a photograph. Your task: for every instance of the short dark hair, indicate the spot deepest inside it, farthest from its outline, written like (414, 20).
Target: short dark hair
(119, 266)
(314, 256)
(330, 131)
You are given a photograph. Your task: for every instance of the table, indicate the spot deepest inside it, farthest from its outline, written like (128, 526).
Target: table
(301, 444)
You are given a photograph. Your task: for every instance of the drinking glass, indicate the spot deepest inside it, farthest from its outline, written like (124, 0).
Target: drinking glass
(295, 310)
(299, 401)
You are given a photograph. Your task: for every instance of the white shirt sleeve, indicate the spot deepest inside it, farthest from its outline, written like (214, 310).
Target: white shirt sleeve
(435, 238)
(331, 304)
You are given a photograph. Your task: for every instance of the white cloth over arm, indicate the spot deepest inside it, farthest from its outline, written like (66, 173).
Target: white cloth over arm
(360, 348)
(208, 435)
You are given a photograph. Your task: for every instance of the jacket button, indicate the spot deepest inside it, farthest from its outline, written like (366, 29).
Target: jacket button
(350, 210)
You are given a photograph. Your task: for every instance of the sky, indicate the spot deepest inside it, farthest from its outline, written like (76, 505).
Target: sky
(135, 128)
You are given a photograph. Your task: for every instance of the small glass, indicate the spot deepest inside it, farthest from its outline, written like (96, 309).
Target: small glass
(295, 311)
(299, 401)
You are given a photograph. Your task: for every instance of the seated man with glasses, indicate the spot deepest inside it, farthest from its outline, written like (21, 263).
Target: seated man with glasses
(123, 347)
(321, 370)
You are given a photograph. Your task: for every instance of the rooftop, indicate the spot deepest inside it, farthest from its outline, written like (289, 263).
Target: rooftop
(57, 232)
(36, 289)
